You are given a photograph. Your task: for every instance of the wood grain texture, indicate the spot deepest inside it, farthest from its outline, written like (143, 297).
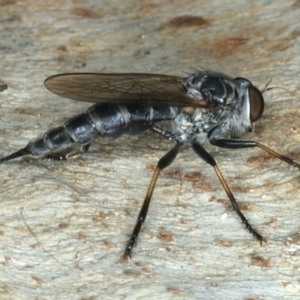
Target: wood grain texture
(64, 225)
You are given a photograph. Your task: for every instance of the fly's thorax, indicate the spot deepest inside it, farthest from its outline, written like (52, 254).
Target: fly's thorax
(233, 118)
(182, 125)
(204, 121)
(215, 88)
(198, 124)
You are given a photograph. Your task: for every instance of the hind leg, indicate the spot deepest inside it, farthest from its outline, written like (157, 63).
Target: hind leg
(72, 152)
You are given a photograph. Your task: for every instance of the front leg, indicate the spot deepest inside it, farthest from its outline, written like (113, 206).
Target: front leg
(239, 144)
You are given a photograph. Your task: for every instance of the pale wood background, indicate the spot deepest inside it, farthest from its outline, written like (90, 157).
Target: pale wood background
(64, 225)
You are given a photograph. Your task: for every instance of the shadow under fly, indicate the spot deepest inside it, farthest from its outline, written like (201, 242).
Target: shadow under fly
(202, 107)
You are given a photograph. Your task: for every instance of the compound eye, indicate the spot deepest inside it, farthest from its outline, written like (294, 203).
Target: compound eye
(257, 103)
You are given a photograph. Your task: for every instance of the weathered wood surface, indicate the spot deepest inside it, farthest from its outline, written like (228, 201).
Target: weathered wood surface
(64, 225)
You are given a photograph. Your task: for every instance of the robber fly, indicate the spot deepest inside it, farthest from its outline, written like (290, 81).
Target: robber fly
(206, 106)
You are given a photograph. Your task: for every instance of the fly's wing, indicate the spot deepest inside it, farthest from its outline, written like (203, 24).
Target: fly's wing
(123, 88)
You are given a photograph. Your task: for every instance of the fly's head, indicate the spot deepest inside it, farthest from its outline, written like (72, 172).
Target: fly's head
(249, 103)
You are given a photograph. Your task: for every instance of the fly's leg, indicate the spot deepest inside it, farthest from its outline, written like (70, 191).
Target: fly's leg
(166, 134)
(72, 152)
(239, 144)
(165, 161)
(210, 160)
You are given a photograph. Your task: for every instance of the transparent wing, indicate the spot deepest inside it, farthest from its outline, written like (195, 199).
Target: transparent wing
(123, 88)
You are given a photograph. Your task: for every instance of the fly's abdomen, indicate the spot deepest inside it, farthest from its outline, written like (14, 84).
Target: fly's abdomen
(108, 121)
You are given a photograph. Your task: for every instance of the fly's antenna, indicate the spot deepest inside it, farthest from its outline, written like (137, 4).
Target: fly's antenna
(267, 88)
